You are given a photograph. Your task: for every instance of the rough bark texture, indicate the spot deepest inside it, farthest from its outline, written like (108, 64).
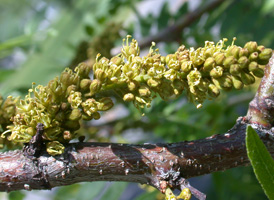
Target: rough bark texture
(261, 108)
(148, 163)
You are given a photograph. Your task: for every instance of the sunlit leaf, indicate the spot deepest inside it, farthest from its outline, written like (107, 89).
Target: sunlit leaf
(261, 161)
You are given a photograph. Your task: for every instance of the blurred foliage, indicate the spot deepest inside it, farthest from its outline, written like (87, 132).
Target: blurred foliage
(38, 39)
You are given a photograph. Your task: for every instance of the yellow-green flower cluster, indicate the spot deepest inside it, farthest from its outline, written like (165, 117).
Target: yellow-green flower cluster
(73, 96)
(59, 106)
(185, 194)
(202, 72)
(7, 110)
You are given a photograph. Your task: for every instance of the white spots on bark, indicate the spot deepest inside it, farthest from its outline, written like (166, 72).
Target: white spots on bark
(227, 135)
(161, 158)
(27, 187)
(63, 174)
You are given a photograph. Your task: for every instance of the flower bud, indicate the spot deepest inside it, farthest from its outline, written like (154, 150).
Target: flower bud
(83, 70)
(219, 58)
(95, 86)
(87, 117)
(260, 48)
(132, 85)
(208, 52)
(67, 135)
(96, 115)
(203, 85)
(237, 83)
(174, 64)
(259, 72)
(264, 56)
(254, 56)
(128, 97)
(216, 72)
(66, 78)
(213, 91)
(100, 74)
(170, 57)
(53, 109)
(252, 66)
(223, 82)
(186, 66)
(229, 61)
(105, 104)
(194, 77)
(144, 91)
(30, 131)
(116, 60)
(251, 47)
(233, 51)
(152, 83)
(70, 89)
(85, 84)
(52, 133)
(75, 99)
(247, 78)
(55, 148)
(243, 52)
(52, 85)
(75, 114)
(235, 69)
(243, 62)
(163, 60)
(209, 64)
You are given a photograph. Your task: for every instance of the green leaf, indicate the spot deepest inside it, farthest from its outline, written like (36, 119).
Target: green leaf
(148, 195)
(115, 191)
(261, 161)
(163, 17)
(83, 191)
(16, 195)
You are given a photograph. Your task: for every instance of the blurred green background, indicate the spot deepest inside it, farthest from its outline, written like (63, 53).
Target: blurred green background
(39, 38)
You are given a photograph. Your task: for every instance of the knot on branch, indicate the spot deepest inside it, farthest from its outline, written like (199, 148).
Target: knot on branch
(35, 146)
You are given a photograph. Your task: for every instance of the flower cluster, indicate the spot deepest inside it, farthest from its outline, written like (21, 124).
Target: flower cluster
(59, 106)
(74, 95)
(7, 111)
(185, 194)
(202, 72)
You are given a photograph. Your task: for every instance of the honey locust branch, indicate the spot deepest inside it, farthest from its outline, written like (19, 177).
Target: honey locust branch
(159, 165)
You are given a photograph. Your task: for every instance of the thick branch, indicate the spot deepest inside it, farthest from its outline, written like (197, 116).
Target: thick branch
(174, 31)
(148, 163)
(261, 108)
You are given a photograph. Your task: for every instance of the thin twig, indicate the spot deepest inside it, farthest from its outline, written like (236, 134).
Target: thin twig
(173, 32)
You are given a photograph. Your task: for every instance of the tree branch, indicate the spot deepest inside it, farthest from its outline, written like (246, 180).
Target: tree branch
(159, 165)
(173, 32)
(261, 108)
(146, 164)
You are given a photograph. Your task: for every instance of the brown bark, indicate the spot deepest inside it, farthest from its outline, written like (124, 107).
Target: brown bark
(147, 164)
(261, 108)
